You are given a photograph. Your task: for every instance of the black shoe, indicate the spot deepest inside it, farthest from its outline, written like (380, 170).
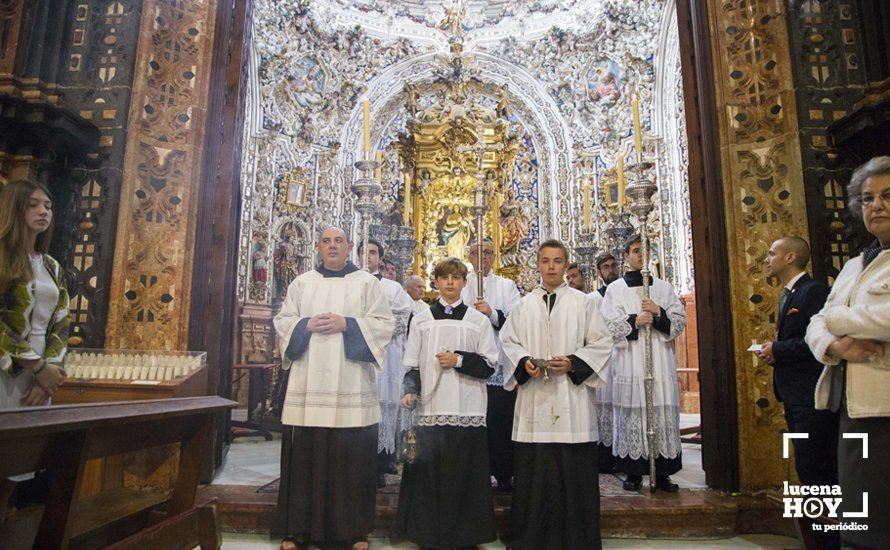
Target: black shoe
(381, 481)
(633, 483)
(664, 483)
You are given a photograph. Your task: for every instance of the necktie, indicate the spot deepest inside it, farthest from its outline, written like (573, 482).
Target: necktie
(783, 299)
(448, 310)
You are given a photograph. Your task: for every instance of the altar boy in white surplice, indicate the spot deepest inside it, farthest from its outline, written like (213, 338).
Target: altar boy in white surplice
(445, 497)
(626, 312)
(389, 378)
(558, 350)
(333, 326)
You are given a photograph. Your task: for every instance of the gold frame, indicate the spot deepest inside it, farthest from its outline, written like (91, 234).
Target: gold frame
(301, 177)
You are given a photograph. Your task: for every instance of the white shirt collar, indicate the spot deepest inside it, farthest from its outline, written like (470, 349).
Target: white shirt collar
(446, 304)
(791, 283)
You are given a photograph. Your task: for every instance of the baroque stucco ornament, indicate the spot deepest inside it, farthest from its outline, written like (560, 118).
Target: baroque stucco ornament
(569, 68)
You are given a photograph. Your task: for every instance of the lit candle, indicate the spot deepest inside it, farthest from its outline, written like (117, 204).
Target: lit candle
(621, 180)
(638, 135)
(366, 127)
(406, 210)
(378, 173)
(586, 191)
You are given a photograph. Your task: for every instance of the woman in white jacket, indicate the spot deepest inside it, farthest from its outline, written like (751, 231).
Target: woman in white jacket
(851, 336)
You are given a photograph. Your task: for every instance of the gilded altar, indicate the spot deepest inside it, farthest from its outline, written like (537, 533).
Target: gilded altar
(459, 139)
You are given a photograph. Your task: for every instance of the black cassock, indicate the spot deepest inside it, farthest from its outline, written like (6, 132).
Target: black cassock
(445, 500)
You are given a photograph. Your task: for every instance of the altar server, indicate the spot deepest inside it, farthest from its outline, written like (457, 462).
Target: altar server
(626, 312)
(607, 268)
(389, 379)
(445, 497)
(333, 327)
(499, 297)
(557, 348)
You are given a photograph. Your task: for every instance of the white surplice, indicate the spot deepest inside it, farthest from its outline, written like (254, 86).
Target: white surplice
(604, 392)
(389, 379)
(501, 294)
(458, 400)
(556, 411)
(326, 389)
(629, 368)
(420, 306)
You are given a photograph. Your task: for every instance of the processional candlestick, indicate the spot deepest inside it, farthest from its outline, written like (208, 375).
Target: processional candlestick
(620, 230)
(366, 190)
(640, 192)
(587, 245)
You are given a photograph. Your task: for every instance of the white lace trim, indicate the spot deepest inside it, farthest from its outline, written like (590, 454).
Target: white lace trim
(619, 328)
(496, 379)
(678, 323)
(450, 420)
(604, 423)
(629, 434)
(386, 432)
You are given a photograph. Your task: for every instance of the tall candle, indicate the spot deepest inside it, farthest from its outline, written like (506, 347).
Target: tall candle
(366, 127)
(586, 191)
(638, 135)
(378, 173)
(406, 208)
(621, 180)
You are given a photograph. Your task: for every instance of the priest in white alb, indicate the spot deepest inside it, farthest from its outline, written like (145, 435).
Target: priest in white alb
(389, 379)
(499, 296)
(333, 328)
(557, 348)
(626, 312)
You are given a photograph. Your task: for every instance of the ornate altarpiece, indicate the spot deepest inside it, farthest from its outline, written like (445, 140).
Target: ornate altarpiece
(444, 151)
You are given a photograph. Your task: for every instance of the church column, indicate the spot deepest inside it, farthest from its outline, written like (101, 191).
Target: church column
(154, 249)
(764, 198)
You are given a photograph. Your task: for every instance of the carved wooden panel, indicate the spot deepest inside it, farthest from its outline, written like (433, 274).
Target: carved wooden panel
(149, 295)
(10, 28)
(764, 198)
(99, 62)
(829, 78)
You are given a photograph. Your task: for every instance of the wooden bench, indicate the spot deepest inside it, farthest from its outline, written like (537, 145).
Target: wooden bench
(60, 439)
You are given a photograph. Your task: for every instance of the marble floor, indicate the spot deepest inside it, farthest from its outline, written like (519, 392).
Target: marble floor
(232, 541)
(255, 461)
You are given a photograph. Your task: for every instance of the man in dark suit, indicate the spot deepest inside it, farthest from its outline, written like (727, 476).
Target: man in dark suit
(796, 371)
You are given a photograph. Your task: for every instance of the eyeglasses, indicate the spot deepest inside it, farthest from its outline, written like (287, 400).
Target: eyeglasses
(868, 201)
(484, 253)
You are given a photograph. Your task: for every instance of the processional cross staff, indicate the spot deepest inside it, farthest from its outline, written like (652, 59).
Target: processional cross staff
(480, 194)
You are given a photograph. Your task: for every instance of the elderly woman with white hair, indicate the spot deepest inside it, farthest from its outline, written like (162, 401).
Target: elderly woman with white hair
(851, 336)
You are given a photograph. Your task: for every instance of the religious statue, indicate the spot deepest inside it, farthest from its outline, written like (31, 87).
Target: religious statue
(456, 233)
(453, 20)
(514, 223)
(503, 107)
(412, 98)
(260, 264)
